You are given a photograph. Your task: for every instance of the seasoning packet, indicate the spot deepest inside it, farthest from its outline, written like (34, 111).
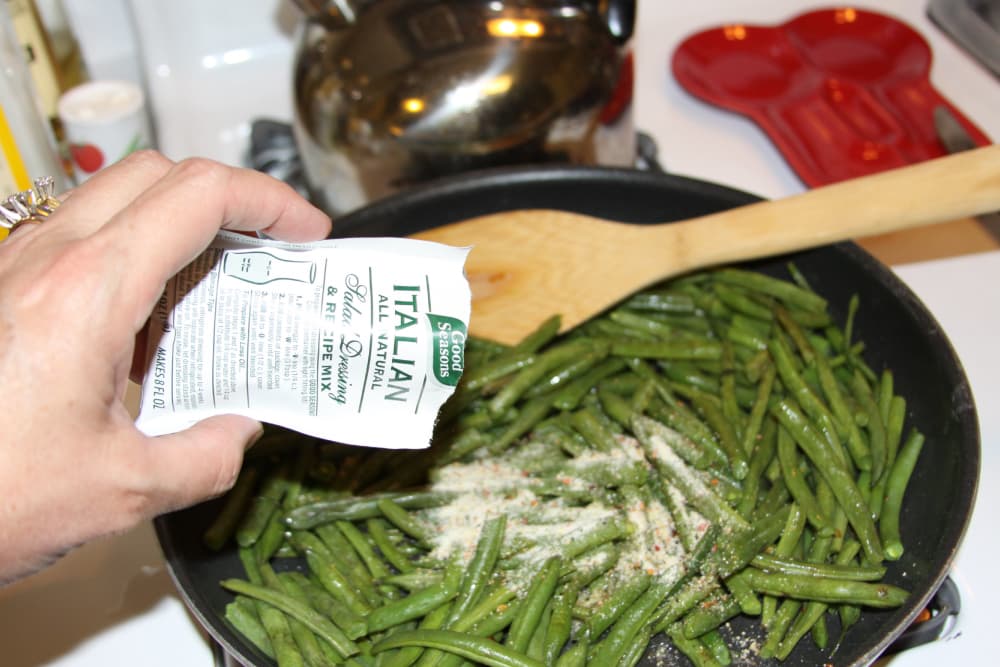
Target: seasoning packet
(358, 341)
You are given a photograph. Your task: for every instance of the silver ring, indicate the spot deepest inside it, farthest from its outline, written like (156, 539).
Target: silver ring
(30, 206)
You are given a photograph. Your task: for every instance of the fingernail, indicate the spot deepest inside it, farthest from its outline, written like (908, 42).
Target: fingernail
(254, 437)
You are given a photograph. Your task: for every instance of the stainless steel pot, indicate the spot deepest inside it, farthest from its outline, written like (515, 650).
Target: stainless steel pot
(389, 93)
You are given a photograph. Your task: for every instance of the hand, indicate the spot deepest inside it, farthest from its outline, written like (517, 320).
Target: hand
(74, 293)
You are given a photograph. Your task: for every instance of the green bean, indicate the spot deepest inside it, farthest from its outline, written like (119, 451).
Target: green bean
(363, 549)
(274, 621)
(820, 634)
(760, 458)
(569, 396)
(598, 560)
(333, 580)
(543, 334)
(697, 493)
(224, 525)
(352, 624)
(797, 484)
(488, 348)
(790, 537)
(894, 428)
(778, 627)
(710, 614)
(683, 600)
(831, 591)
(684, 522)
(529, 415)
(899, 477)
(403, 520)
(304, 638)
(674, 350)
(637, 649)
(789, 293)
(621, 599)
(685, 422)
(683, 446)
(272, 539)
(696, 652)
(473, 648)
(807, 398)
(560, 621)
(531, 374)
(480, 568)
(263, 505)
(759, 409)
(617, 407)
(406, 656)
(568, 372)
(413, 606)
(641, 323)
(715, 643)
(733, 554)
(748, 601)
(377, 531)
(489, 603)
(542, 587)
(672, 413)
(574, 656)
(711, 409)
(861, 453)
(604, 328)
(588, 426)
(785, 565)
(607, 530)
(886, 386)
(740, 301)
(811, 615)
(508, 363)
(353, 508)
(876, 429)
(643, 394)
(661, 301)
(747, 338)
(415, 579)
(481, 620)
(242, 615)
(611, 649)
(844, 488)
(342, 555)
(308, 616)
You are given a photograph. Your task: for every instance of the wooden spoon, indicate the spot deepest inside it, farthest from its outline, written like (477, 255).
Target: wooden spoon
(527, 265)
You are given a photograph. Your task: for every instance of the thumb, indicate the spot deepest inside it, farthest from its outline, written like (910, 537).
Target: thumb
(200, 462)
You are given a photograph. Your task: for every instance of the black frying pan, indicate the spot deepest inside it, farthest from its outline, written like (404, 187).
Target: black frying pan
(898, 330)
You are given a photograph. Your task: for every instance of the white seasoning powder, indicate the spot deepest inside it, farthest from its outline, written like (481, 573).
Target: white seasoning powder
(538, 524)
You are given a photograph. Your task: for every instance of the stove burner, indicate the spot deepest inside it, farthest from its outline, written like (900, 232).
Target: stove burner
(273, 151)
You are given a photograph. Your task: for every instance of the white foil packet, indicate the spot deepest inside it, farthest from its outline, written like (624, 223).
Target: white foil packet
(358, 341)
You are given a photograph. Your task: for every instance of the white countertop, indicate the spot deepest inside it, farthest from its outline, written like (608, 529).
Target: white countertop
(112, 603)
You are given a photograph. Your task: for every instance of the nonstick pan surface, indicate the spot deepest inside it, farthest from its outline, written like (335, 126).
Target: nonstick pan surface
(898, 331)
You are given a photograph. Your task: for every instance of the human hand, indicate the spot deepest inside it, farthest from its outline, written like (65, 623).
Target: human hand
(74, 293)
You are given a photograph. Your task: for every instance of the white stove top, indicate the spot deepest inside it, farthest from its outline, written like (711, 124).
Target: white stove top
(112, 603)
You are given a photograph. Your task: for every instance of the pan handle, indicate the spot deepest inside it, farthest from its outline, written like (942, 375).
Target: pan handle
(946, 603)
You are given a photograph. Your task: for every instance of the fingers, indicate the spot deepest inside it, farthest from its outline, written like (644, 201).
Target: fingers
(199, 463)
(170, 223)
(90, 206)
(173, 220)
(196, 198)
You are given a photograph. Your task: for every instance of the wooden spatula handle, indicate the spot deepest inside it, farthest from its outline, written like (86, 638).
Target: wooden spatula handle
(942, 189)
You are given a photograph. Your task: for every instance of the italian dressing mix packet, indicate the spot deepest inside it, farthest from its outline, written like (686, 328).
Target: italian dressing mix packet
(358, 341)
